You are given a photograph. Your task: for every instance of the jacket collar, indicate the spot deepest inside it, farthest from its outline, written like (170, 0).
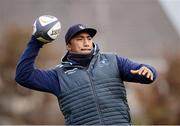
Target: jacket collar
(64, 60)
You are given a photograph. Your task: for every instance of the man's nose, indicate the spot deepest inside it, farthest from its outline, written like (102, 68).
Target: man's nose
(86, 42)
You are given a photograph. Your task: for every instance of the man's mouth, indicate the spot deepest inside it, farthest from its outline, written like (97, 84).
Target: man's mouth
(85, 49)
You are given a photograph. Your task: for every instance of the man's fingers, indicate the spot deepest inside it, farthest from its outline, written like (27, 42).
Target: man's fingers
(149, 75)
(152, 76)
(134, 71)
(143, 71)
(139, 72)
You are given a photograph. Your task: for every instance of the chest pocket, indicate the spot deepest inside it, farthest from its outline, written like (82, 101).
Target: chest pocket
(73, 78)
(104, 68)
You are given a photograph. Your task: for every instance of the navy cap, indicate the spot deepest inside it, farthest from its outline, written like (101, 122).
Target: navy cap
(74, 30)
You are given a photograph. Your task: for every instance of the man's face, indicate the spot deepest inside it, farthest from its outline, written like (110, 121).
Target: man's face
(81, 43)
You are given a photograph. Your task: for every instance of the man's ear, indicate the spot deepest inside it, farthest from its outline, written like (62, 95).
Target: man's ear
(68, 47)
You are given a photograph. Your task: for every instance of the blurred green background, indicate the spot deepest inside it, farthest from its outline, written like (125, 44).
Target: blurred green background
(146, 31)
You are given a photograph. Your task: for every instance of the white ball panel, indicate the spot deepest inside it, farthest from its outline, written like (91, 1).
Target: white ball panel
(34, 28)
(46, 19)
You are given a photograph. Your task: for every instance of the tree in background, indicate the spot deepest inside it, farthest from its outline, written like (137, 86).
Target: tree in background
(18, 104)
(161, 100)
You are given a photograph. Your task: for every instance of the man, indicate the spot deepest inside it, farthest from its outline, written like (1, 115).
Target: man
(88, 84)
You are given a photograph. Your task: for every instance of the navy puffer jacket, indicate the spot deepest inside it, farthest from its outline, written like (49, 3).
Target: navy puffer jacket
(93, 95)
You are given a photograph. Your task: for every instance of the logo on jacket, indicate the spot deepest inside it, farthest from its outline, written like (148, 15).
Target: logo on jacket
(103, 63)
(70, 71)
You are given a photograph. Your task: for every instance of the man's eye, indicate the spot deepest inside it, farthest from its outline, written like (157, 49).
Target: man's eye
(79, 39)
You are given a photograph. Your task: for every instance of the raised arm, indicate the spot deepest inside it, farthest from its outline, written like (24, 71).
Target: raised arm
(28, 76)
(134, 72)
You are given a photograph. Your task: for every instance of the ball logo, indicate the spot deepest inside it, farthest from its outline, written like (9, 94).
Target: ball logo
(55, 32)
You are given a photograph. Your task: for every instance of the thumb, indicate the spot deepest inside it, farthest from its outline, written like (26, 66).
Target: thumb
(134, 71)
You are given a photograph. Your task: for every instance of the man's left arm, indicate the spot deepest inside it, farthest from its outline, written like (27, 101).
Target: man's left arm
(134, 72)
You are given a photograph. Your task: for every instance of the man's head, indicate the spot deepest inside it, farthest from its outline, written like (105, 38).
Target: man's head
(79, 39)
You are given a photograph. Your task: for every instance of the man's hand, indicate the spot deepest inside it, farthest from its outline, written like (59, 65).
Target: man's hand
(143, 71)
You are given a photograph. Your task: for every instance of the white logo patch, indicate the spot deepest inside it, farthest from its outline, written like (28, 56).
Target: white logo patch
(81, 27)
(70, 71)
(103, 63)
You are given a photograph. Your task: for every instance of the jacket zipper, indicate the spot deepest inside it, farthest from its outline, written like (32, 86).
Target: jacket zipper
(95, 98)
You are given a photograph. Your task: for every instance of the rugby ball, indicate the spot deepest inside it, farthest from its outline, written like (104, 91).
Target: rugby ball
(46, 28)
